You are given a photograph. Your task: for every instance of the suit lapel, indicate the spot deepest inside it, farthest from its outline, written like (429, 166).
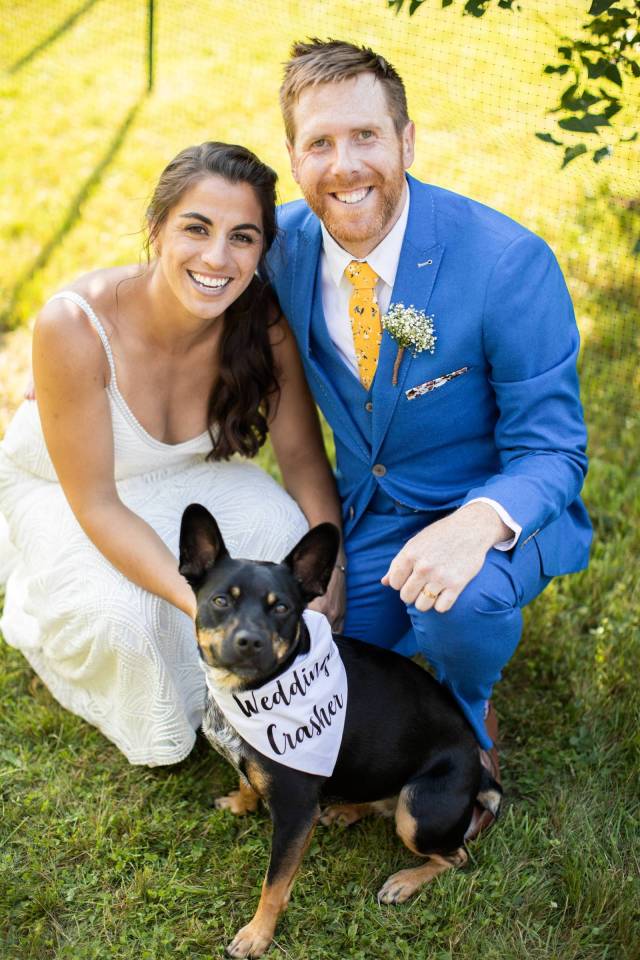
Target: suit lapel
(307, 300)
(420, 259)
(303, 280)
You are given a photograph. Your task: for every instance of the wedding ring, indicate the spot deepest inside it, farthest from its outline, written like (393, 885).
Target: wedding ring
(428, 593)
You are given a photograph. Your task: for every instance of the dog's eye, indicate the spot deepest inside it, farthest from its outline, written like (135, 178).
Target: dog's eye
(220, 601)
(281, 608)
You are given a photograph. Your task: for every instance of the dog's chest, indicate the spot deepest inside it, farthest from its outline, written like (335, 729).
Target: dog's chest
(221, 734)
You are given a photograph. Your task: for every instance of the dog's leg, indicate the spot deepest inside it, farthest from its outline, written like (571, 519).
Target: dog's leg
(425, 824)
(292, 831)
(345, 814)
(403, 884)
(240, 801)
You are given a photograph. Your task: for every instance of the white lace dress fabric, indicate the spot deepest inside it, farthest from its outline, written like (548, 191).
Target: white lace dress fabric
(120, 657)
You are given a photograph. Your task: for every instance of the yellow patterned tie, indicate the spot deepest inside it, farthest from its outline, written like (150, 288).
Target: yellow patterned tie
(365, 318)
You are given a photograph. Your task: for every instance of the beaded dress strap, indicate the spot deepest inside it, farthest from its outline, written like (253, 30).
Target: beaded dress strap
(89, 311)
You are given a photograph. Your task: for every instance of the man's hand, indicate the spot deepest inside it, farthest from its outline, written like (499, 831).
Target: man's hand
(435, 566)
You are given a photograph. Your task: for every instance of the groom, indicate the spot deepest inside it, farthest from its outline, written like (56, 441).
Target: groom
(459, 482)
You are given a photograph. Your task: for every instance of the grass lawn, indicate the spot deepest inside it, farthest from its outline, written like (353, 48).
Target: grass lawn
(99, 859)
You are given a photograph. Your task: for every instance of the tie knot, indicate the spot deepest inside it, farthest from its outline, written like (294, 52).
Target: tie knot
(361, 275)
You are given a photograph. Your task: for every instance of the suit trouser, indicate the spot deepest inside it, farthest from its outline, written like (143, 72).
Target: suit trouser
(467, 646)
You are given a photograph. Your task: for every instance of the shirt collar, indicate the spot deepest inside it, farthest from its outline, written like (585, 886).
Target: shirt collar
(383, 259)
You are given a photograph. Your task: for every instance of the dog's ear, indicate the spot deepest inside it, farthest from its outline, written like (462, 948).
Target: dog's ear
(201, 544)
(312, 560)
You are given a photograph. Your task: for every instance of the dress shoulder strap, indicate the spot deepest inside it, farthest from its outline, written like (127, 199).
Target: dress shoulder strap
(91, 314)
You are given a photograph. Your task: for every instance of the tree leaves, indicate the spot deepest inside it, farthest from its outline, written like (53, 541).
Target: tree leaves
(589, 123)
(547, 138)
(599, 6)
(602, 154)
(607, 49)
(571, 153)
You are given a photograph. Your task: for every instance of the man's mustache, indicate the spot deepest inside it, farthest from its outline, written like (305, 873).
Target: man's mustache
(347, 187)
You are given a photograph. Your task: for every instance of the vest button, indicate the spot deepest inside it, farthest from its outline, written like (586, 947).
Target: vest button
(368, 406)
(379, 470)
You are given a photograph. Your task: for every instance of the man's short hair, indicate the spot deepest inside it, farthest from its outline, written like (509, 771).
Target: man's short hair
(331, 61)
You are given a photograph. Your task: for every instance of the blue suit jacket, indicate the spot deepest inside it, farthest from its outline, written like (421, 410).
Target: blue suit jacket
(510, 427)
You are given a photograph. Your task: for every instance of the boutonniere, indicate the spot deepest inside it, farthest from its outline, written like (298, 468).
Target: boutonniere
(411, 329)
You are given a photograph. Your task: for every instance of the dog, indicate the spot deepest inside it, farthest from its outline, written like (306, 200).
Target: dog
(405, 747)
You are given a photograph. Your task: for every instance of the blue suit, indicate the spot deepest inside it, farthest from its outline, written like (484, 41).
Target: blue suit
(507, 426)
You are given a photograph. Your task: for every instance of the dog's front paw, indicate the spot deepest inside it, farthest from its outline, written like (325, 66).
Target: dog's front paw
(401, 885)
(250, 941)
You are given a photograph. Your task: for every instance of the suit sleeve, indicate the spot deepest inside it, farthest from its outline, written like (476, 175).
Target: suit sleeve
(531, 343)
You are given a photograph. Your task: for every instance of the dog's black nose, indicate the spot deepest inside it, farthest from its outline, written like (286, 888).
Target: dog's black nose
(247, 643)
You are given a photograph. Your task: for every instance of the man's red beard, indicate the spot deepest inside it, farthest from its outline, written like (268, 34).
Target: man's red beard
(359, 227)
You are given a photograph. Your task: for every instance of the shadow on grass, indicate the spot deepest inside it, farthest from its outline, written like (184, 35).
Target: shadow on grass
(51, 37)
(72, 216)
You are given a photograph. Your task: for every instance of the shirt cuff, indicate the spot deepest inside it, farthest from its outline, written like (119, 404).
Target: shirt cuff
(506, 519)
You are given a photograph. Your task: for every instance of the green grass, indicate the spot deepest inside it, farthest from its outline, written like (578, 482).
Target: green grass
(99, 859)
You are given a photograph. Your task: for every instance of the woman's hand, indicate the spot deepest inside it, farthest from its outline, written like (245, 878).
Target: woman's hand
(333, 602)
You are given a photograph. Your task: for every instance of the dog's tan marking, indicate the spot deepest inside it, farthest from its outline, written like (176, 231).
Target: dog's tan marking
(235, 592)
(210, 642)
(241, 801)
(258, 779)
(253, 940)
(345, 814)
(223, 678)
(271, 598)
(280, 647)
(403, 884)
(406, 823)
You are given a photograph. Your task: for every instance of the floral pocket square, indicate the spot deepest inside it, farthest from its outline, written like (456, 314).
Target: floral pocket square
(430, 385)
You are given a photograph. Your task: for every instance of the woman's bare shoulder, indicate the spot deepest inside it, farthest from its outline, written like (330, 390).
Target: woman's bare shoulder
(100, 288)
(100, 284)
(64, 319)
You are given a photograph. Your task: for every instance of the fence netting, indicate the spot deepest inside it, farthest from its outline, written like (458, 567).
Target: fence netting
(84, 141)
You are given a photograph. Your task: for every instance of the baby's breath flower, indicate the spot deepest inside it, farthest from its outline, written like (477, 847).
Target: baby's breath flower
(410, 328)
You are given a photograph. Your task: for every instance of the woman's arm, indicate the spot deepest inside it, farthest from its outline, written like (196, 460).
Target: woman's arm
(70, 372)
(299, 449)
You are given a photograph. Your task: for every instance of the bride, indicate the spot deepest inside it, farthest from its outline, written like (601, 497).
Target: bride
(148, 381)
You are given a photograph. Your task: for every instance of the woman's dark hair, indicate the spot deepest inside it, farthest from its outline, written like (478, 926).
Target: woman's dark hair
(246, 390)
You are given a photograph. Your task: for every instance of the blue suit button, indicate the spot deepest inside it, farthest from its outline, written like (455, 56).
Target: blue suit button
(379, 470)
(368, 406)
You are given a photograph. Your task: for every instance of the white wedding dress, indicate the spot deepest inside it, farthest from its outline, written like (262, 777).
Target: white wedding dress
(122, 658)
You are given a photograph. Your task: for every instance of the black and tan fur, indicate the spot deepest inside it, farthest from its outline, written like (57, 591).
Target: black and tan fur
(406, 748)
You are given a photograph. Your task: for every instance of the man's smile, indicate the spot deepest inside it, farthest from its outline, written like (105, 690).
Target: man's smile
(352, 196)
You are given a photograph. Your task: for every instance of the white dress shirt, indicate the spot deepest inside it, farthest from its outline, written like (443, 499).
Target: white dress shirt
(336, 293)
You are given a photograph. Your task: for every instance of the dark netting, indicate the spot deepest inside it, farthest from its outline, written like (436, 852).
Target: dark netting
(85, 143)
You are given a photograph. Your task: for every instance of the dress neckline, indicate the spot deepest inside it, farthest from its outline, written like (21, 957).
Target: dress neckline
(112, 387)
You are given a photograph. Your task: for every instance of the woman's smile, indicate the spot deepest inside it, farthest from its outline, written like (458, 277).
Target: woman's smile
(207, 284)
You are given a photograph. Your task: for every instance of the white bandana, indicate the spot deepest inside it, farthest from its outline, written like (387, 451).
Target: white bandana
(298, 718)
